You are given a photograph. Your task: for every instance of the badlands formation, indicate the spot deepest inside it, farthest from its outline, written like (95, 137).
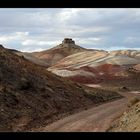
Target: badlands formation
(39, 88)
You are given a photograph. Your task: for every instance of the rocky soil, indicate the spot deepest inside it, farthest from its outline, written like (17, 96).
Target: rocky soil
(129, 121)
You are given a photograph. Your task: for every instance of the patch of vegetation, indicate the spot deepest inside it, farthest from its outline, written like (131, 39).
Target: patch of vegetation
(24, 84)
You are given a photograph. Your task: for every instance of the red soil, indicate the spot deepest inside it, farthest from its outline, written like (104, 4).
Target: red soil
(108, 73)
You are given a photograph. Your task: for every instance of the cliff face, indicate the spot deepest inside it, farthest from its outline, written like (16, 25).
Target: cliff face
(68, 40)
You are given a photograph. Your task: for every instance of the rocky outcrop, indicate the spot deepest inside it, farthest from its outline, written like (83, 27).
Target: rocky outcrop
(68, 40)
(137, 68)
(1, 46)
(129, 121)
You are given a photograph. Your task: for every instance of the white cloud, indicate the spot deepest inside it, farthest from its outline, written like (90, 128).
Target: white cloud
(31, 49)
(14, 36)
(90, 41)
(67, 14)
(29, 42)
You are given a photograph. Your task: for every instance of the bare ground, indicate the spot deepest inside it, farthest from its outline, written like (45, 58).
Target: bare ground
(96, 119)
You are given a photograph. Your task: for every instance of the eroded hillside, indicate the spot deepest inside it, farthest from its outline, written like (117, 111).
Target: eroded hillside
(30, 96)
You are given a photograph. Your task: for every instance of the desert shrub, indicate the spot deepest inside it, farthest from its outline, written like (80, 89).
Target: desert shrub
(24, 84)
(83, 79)
(133, 101)
(3, 88)
(43, 89)
(0, 75)
(124, 88)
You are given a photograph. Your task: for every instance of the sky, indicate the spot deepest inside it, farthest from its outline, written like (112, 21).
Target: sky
(37, 29)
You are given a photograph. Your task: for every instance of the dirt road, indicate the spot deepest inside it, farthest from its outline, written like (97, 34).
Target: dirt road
(97, 119)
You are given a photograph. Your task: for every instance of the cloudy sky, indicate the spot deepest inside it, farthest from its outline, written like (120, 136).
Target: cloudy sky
(39, 29)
